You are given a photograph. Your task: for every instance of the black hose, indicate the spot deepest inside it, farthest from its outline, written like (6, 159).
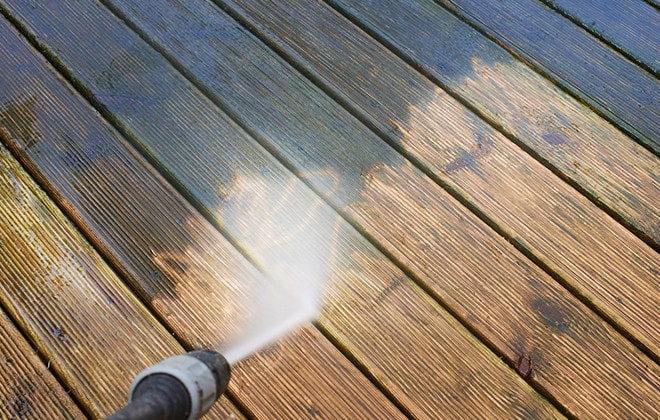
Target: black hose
(158, 396)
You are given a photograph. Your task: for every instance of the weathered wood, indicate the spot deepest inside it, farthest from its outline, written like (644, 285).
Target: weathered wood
(630, 25)
(439, 241)
(81, 317)
(614, 86)
(564, 134)
(286, 227)
(529, 203)
(191, 276)
(27, 388)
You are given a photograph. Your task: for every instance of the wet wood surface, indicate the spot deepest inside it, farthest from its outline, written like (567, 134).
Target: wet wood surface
(382, 342)
(381, 189)
(532, 206)
(428, 311)
(27, 388)
(614, 86)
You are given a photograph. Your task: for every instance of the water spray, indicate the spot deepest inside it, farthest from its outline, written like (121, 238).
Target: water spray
(181, 387)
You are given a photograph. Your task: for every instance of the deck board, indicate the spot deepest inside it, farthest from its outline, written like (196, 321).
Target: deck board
(90, 327)
(27, 388)
(630, 25)
(416, 319)
(589, 69)
(164, 249)
(283, 144)
(560, 132)
(376, 201)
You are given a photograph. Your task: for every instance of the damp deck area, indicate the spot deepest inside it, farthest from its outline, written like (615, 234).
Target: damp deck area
(477, 183)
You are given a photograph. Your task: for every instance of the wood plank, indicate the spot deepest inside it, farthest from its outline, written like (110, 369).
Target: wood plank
(190, 274)
(27, 388)
(528, 203)
(82, 318)
(387, 315)
(586, 67)
(563, 134)
(403, 209)
(632, 26)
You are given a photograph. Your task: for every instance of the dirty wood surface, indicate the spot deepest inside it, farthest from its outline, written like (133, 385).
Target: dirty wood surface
(27, 388)
(592, 71)
(632, 26)
(90, 327)
(436, 314)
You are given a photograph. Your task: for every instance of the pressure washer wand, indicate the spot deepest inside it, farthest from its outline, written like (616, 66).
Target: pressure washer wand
(178, 388)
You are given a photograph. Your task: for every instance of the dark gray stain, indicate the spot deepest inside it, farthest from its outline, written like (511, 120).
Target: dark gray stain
(58, 333)
(554, 139)
(20, 406)
(468, 159)
(18, 118)
(551, 315)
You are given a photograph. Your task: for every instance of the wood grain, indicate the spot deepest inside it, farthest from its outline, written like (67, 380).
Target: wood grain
(632, 26)
(190, 275)
(81, 317)
(454, 253)
(562, 133)
(27, 388)
(373, 310)
(528, 202)
(586, 67)
(289, 379)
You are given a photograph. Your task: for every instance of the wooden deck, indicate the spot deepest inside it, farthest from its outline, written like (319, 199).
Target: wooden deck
(476, 183)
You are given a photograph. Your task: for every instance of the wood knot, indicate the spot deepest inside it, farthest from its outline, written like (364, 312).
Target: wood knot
(524, 365)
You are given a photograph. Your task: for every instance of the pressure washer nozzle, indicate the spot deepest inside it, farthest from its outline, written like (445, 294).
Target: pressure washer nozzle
(178, 388)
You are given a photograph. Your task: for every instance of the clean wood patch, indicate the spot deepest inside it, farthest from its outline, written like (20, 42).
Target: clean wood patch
(289, 379)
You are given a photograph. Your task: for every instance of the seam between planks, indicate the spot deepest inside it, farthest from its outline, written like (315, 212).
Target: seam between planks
(653, 3)
(551, 269)
(37, 351)
(362, 368)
